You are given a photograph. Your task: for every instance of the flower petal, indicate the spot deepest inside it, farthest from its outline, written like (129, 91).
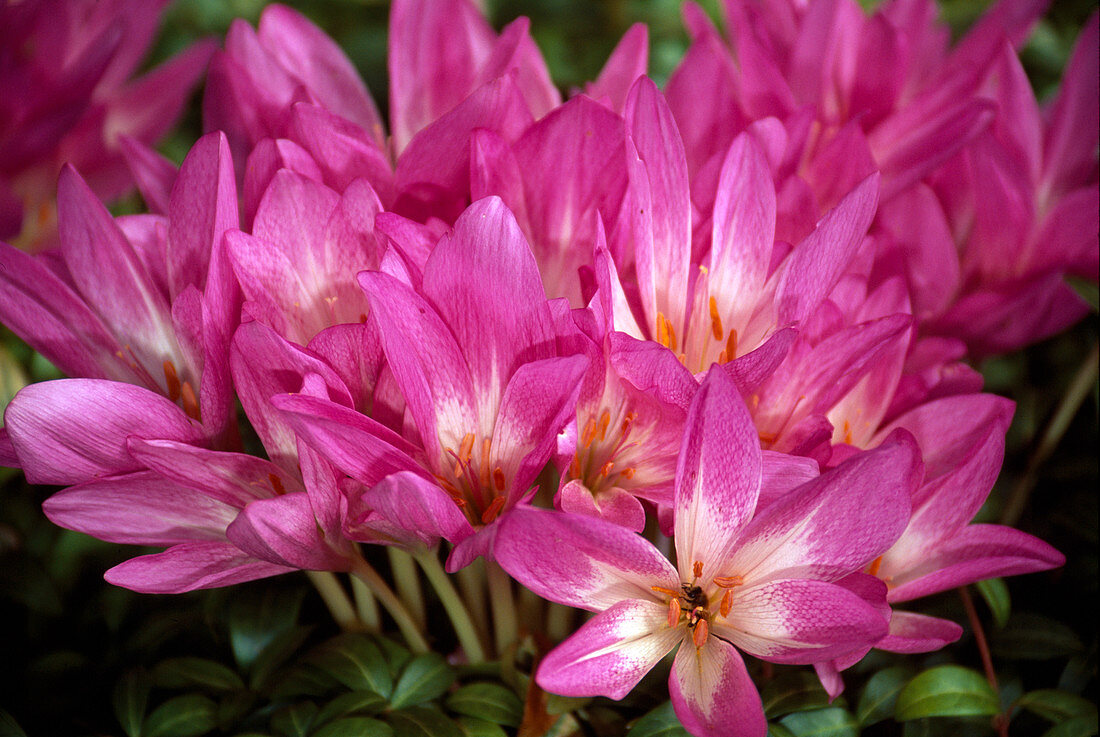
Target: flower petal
(712, 693)
(918, 633)
(284, 531)
(191, 566)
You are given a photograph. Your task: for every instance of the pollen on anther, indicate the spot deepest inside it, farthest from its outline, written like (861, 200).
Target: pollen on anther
(498, 478)
(173, 380)
(492, 510)
(699, 634)
(276, 484)
(715, 319)
(697, 568)
(727, 603)
(673, 611)
(728, 582)
(190, 402)
(466, 448)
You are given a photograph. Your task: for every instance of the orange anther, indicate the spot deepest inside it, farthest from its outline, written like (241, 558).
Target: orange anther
(276, 484)
(172, 379)
(875, 565)
(700, 633)
(847, 432)
(605, 420)
(715, 320)
(627, 473)
(190, 402)
(728, 582)
(589, 433)
(498, 478)
(697, 568)
(727, 603)
(766, 437)
(466, 448)
(605, 469)
(731, 345)
(673, 611)
(662, 590)
(492, 510)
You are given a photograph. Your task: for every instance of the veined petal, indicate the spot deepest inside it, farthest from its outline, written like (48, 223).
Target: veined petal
(800, 621)
(918, 633)
(712, 693)
(153, 173)
(611, 653)
(140, 508)
(717, 476)
(191, 566)
(284, 531)
(580, 561)
(49, 422)
(419, 507)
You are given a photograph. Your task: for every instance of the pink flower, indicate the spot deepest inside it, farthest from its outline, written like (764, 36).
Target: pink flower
(778, 585)
(66, 96)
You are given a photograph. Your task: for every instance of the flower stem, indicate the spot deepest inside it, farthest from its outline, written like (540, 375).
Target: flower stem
(1079, 388)
(559, 621)
(366, 605)
(504, 607)
(452, 603)
(397, 609)
(407, 582)
(1000, 722)
(335, 598)
(471, 580)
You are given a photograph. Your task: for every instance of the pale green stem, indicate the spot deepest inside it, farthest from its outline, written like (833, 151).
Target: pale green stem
(504, 607)
(367, 606)
(471, 580)
(335, 598)
(407, 582)
(1079, 388)
(559, 621)
(452, 604)
(393, 605)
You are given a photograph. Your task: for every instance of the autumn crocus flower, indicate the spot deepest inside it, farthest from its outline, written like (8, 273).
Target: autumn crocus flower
(67, 95)
(778, 586)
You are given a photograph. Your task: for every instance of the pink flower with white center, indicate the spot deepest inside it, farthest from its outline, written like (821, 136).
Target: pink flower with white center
(779, 586)
(67, 96)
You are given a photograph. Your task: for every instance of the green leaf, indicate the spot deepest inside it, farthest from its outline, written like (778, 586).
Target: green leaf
(946, 690)
(356, 702)
(661, 722)
(356, 662)
(130, 698)
(177, 673)
(778, 730)
(301, 680)
(1035, 637)
(474, 727)
(489, 701)
(995, 593)
(255, 620)
(1076, 727)
(1088, 291)
(793, 691)
(426, 677)
(1056, 706)
(9, 727)
(421, 721)
(557, 704)
(879, 696)
(295, 720)
(183, 716)
(355, 727)
(831, 722)
(277, 651)
(396, 654)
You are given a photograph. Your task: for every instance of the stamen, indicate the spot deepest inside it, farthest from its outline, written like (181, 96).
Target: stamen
(847, 432)
(589, 433)
(875, 565)
(605, 420)
(466, 448)
(627, 473)
(728, 582)
(670, 592)
(697, 568)
(715, 319)
(276, 484)
(172, 379)
(190, 402)
(727, 603)
(700, 633)
(493, 510)
(498, 479)
(731, 345)
(673, 612)
(605, 469)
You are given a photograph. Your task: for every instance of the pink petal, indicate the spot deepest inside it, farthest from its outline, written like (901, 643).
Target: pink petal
(628, 61)
(49, 422)
(343, 151)
(418, 507)
(190, 566)
(918, 633)
(611, 653)
(580, 561)
(153, 174)
(284, 531)
(712, 693)
(717, 476)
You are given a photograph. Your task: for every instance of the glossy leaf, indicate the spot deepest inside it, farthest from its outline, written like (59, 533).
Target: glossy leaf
(1056, 706)
(947, 690)
(183, 716)
(277, 652)
(420, 721)
(355, 727)
(793, 690)
(1076, 727)
(995, 593)
(294, 720)
(426, 677)
(356, 702)
(255, 621)
(488, 701)
(474, 727)
(880, 695)
(778, 730)
(831, 722)
(355, 661)
(661, 722)
(187, 672)
(130, 699)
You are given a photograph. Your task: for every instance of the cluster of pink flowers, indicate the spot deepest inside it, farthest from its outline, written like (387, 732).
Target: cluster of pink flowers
(738, 308)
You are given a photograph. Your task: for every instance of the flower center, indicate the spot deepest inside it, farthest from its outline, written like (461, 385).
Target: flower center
(598, 462)
(475, 485)
(693, 602)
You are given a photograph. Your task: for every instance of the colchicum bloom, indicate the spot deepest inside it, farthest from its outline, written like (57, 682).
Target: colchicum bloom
(783, 585)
